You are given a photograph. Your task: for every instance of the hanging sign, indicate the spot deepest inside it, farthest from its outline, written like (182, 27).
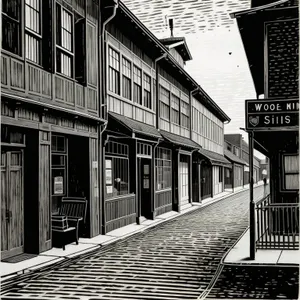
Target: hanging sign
(267, 114)
(58, 185)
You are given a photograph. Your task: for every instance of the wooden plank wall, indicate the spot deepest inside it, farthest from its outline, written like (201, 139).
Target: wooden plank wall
(163, 202)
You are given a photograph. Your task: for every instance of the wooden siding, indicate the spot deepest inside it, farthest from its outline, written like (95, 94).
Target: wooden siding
(94, 203)
(92, 57)
(120, 212)
(163, 202)
(44, 192)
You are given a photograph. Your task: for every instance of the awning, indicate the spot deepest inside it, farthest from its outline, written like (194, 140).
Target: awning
(179, 140)
(134, 126)
(215, 158)
(233, 158)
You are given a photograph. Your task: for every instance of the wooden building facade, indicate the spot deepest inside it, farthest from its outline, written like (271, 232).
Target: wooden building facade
(50, 118)
(152, 105)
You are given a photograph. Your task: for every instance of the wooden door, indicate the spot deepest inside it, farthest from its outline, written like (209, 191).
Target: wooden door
(145, 186)
(12, 203)
(184, 182)
(206, 181)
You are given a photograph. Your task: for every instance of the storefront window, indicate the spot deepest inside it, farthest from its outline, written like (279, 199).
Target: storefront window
(59, 169)
(163, 169)
(291, 172)
(116, 169)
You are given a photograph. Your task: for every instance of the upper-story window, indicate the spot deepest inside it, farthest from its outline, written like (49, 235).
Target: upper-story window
(184, 114)
(175, 102)
(126, 79)
(64, 41)
(137, 85)
(114, 71)
(11, 26)
(164, 103)
(147, 91)
(33, 30)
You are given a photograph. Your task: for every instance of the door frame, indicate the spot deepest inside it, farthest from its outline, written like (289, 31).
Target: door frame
(7, 149)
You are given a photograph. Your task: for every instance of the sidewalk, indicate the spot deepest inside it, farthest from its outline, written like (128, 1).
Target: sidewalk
(57, 256)
(240, 253)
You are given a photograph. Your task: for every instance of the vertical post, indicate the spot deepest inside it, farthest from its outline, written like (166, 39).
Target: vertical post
(252, 205)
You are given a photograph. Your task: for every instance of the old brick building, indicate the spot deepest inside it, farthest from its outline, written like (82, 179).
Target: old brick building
(269, 31)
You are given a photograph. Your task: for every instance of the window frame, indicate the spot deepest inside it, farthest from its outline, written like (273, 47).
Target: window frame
(184, 115)
(162, 166)
(59, 48)
(284, 173)
(139, 85)
(113, 72)
(127, 78)
(172, 108)
(146, 91)
(163, 104)
(38, 36)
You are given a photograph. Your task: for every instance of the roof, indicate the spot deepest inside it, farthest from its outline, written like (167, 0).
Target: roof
(180, 45)
(251, 23)
(209, 102)
(233, 157)
(214, 158)
(179, 140)
(234, 139)
(136, 126)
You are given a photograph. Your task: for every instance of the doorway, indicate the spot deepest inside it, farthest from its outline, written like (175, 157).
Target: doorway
(206, 181)
(12, 203)
(184, 179)
(144, 177)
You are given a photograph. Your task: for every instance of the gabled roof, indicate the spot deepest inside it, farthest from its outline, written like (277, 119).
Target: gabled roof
(233, 157)
(135, 126)
(211, 105)
(179, 140)
(180, 45)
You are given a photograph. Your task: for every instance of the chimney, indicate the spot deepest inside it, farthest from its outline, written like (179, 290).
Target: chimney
(171, 26)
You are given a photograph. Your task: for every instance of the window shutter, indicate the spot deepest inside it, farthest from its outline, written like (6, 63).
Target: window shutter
(80, 51)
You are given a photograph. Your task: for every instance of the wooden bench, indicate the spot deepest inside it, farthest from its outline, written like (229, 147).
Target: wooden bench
(60, 226)
(75, 209)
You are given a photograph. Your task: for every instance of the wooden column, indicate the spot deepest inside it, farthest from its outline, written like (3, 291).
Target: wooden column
(44, 194)
(175, 180)
(191, 179)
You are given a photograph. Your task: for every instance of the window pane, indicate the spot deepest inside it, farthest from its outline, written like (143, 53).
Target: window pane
(291, 163)
(292, 182)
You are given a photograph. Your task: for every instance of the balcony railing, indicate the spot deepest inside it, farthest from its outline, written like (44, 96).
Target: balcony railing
(277, 225)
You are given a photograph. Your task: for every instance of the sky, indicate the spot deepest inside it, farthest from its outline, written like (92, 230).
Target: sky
(219, 62)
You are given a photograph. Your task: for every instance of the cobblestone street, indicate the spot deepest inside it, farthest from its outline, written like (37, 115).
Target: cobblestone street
(176, 260)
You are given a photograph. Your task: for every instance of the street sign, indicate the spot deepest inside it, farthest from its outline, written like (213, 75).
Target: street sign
(268, 114)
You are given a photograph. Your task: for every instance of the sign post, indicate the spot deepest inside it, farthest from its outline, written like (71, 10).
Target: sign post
(252, 204)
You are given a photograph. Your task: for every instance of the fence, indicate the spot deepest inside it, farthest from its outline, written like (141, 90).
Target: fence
(277, 225)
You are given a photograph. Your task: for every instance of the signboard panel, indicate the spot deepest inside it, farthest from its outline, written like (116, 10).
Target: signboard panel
(267, 114)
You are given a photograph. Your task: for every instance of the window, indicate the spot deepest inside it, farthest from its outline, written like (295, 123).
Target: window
(126, 79)
(164, 103)
(147, 91)
(175, 101)
(137, 85)
(59, 169)
(114, 71)
(220, 174)
(11, 26)
(163, 169)
(291, 172)
(33, 30)
(185, 114)
(116, 169)
(64, 41)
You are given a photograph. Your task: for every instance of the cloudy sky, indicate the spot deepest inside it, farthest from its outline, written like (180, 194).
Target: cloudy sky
(219, 63)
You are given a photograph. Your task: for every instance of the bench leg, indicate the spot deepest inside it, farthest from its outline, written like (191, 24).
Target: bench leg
(77, 234)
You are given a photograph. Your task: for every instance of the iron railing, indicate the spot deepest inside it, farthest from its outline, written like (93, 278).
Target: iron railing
(277, 225)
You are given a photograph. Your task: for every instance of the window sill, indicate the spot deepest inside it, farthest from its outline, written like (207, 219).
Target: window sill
(164, 190)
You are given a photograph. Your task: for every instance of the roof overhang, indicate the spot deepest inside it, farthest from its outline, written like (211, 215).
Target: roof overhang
(215, 158)
(179, 140)
(179, 43)
(251, 24)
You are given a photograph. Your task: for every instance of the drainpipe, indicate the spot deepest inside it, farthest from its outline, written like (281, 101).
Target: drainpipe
(103, 103)
(157, 87)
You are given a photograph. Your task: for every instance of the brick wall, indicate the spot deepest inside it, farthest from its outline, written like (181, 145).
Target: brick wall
(283, 39)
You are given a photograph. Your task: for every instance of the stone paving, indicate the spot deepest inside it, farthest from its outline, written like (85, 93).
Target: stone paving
(252, 282)
(176, 260)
